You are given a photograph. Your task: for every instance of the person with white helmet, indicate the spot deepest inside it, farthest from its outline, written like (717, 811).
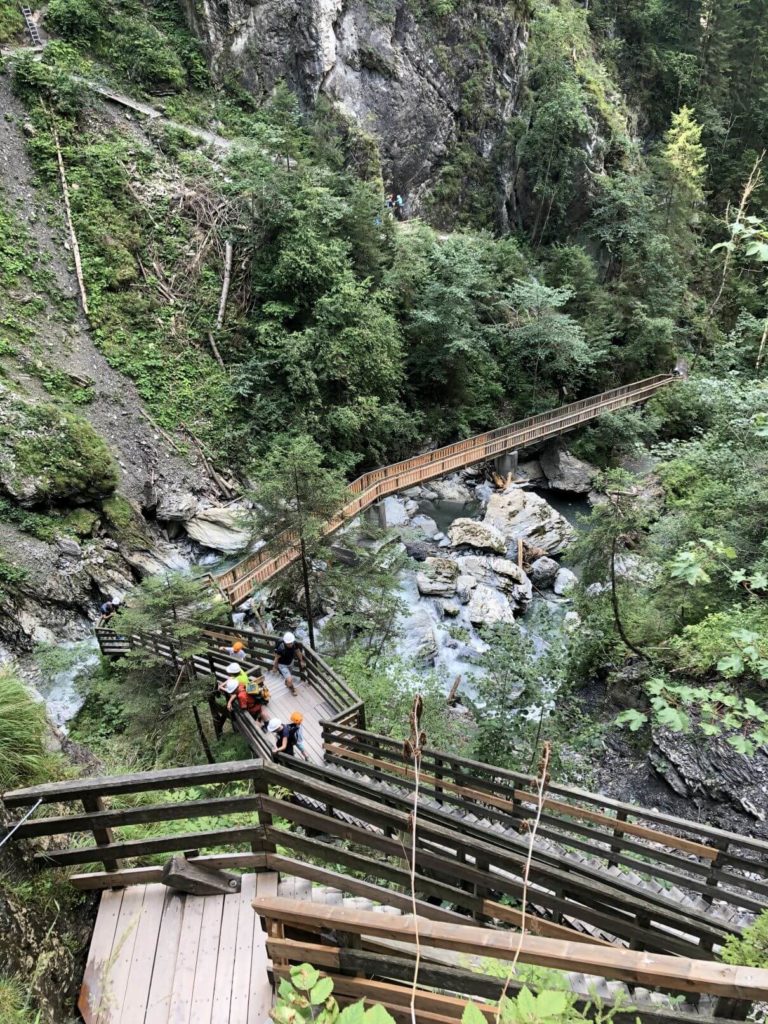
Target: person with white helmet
(287, 737)
(251, 697)
(285, 651)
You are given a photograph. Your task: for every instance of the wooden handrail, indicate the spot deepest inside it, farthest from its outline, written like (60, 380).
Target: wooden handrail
(238, 581)
(648, 969)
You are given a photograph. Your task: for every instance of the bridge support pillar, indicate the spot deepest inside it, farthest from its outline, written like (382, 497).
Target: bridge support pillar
(506, 464)
(379, 511)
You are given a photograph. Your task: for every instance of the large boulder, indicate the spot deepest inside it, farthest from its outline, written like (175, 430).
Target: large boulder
(438, 578)
(489, 607)
(475, 534)
(522, 514)
(564, 472)
(395, 511)
(419, 640)
(565, 581)
(544, 570)
(222, 529)
(176, 506)
(451, 488)
(426, 525)
(49, 456)
(501, 574)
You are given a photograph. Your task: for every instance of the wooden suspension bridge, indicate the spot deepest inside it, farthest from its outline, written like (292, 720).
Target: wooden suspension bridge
(238, 582)
(630, 904)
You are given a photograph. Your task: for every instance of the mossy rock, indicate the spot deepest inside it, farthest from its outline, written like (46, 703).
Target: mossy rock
(125, 522)
(49, 456)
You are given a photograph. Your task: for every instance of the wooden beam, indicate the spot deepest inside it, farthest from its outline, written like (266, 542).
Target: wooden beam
(648, 969)
(95, 880)
(198, 879)
(136, 782)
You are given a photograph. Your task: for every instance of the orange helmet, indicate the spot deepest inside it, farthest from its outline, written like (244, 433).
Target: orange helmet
(297, 717)
(238, 645)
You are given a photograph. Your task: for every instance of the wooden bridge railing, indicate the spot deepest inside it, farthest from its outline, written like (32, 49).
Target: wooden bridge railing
(456, 865)
(667, 973)
(718, 865)
(346, 706)
(238, 582)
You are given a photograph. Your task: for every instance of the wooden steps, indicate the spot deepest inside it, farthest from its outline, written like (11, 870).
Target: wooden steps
(162, 957)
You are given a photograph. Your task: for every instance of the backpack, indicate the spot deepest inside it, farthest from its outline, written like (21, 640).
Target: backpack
(256, 688)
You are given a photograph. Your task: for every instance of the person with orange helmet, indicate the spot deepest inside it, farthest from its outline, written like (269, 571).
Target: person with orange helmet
(237, 651)
(288, 737)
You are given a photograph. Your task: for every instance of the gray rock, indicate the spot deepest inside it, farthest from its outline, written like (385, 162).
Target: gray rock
(489, 607)
(411, 506)
(476, 534)
(444, 543)
(419, 550)
(425, 525)
(519, 513)
(395, 511)
(438, 578)
(564, 472)
(419, 640)
(531, 470)
(69, 547)
(450, 609)
(222, 529)
(571, 621)
(543, 571)
(483, 493)
(565, 581)
(177, 506)
(464, 587)
(452, 488)
(500, 574)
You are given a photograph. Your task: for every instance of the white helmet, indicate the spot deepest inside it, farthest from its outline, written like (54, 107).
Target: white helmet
(289, 638)
(274, 724)
(233, 669)
(229, 685)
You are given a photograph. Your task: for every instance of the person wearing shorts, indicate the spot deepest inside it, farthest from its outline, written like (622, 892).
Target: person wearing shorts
(286, 651)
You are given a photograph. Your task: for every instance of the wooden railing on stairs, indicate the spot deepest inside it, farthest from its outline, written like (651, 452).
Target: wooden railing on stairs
(717, 865)
(456, 868)
(238, 582)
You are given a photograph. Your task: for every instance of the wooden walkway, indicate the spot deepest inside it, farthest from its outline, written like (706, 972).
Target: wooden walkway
(163, 957)
(238, 582)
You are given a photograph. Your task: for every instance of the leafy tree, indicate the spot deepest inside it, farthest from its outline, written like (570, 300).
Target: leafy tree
(751, 947)
(296, 495)
(682, 171)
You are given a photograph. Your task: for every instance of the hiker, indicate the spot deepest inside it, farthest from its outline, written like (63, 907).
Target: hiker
(296, 719)
(108, 609)
(251, 695)
(285, 651)
(237, 650)
(399, 207)
(286, 738)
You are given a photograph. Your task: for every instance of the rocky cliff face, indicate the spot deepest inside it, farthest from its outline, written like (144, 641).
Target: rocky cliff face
(422, 84)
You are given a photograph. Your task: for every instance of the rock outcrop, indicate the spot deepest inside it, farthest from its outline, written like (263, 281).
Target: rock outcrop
(439, 578)
(564, 472)
(385, 66)
(474, 534)
(489, 607)
(222, 529)
(521, 514)
(502, 574)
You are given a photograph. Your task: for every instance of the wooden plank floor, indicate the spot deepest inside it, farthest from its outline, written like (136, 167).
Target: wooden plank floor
(162, 957)
(282, 703)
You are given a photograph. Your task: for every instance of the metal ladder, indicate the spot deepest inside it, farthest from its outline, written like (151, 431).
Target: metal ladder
(32, 29)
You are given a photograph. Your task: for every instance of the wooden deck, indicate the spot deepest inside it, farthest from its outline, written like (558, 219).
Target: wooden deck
(163, 957)
(309, 702)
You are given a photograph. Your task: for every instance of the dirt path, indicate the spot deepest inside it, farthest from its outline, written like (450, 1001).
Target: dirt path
(117, 412)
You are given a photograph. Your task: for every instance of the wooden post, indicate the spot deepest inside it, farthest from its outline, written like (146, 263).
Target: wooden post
(732, 1009)
(203, 738)
(261, 786)
(102, 836)
(218, 716)
(615, 843)
(715, 865)
(439, 775)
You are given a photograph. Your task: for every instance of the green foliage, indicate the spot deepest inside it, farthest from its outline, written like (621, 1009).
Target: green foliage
(11, 21)
(309, 996)
(749, 949)
(11, 575)
(387, 686)
(14, 1000)
(68, 461)
(24, 759)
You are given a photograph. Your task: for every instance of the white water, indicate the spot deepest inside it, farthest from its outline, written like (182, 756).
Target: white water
(59, 690)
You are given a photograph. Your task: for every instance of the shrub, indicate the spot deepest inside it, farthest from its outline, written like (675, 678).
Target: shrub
(751, 947)
(23, 757)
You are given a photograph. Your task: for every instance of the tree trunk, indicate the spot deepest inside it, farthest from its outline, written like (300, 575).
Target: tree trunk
(203, 737)
(307, 594)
